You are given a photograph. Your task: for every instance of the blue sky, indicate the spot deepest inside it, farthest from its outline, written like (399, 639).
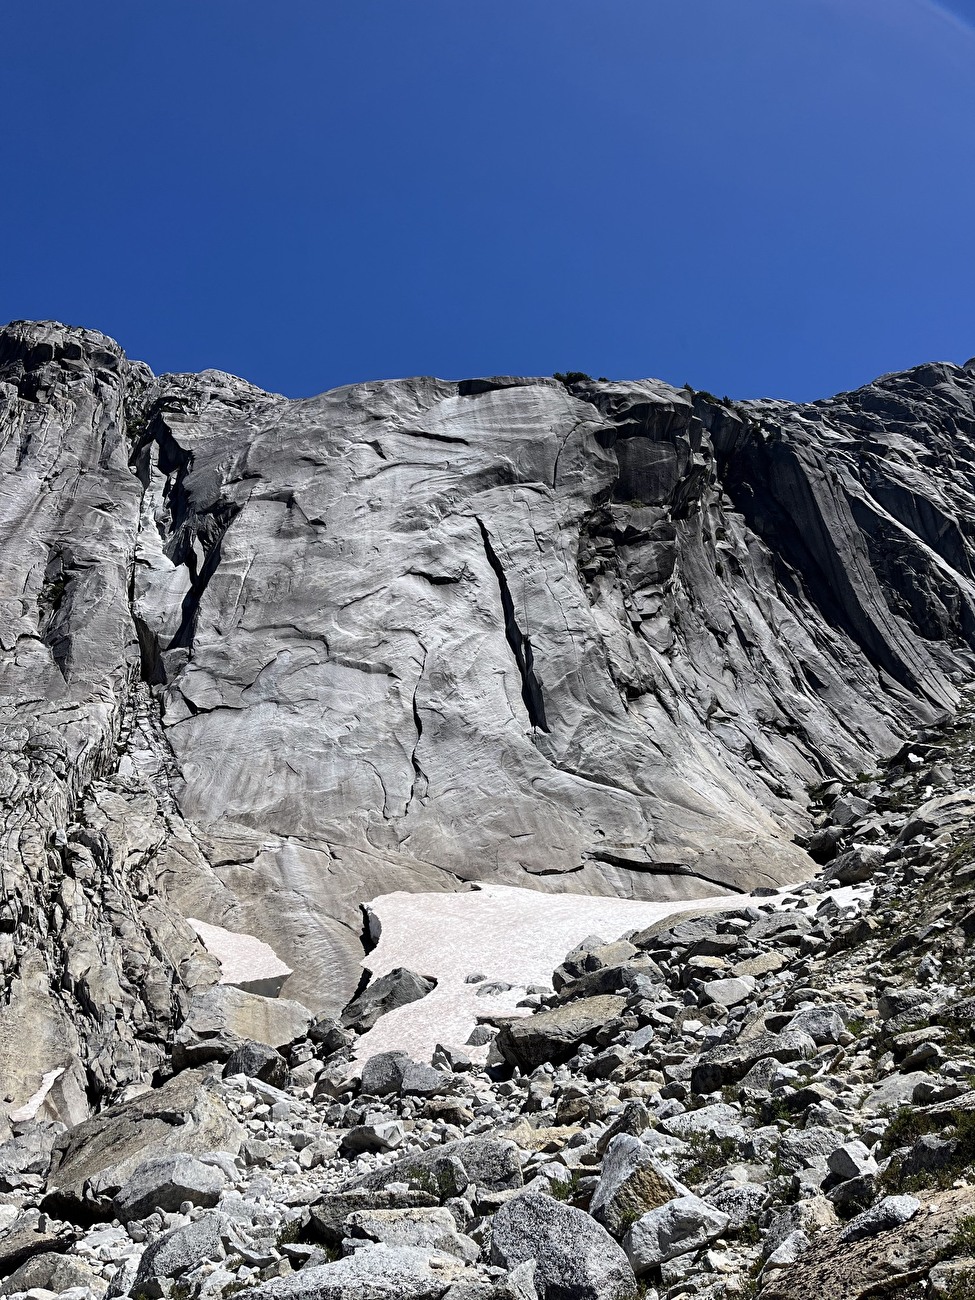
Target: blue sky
(755, 196)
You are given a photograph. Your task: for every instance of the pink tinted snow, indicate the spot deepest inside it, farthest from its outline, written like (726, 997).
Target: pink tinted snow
(245, 961)
(499, 931)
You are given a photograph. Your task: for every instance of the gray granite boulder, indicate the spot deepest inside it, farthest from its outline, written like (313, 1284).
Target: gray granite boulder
(53, 1272)
(554, 1035)
(94, 1160)
(676, 1228)
(575, 1258)
(165, 1183)
(395, 989)
(631, 1182)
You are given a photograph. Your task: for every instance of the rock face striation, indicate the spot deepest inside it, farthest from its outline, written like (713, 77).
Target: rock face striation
(263, 659)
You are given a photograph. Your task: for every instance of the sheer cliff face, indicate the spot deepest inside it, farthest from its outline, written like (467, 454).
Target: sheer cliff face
(264, 659)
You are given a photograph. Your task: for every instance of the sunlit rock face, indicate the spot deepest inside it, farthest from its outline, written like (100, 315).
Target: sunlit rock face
(266, 659)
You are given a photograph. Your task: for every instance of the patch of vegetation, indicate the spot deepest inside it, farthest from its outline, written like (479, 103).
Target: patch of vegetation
(961, 853)
(750, 1234)
(961, 1286)
(905, 1127)
(963, 1242)
(778, 1111)
(568, 1191)
(778, 1168)
(290, 1233)
(52, 593)
(331, 1253)
(746, 1288)
(570, 377)
(627, 1218)
(709, 397)
(425, 1180)
(707, 1154)
(909, 1124)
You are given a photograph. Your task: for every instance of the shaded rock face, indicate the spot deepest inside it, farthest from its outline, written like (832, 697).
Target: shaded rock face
(264, 659)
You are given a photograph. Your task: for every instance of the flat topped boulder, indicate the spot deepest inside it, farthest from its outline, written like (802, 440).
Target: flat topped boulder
(492, 1164)
(165, 1183)
(555, 1035)
(28, 1235)
(221, 1018)
(371, 1273)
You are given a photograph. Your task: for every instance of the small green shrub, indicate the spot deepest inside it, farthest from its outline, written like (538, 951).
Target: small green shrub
(745, 1288)
(907, 1126)
(570, 377)
(425, 1180)
(750, 1234)
(963, 1242)
(961, 1286)
(961, 853)
(567, 1191)
(706, 1155)
(290, 1232)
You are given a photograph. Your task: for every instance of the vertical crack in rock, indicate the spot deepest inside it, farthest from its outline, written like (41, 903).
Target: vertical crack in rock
(52, 625)
(521, 646)
(183, 638)
(418, 772)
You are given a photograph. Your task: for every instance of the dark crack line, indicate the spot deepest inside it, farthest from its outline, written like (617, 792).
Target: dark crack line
(418, 772)
(521, 646)
(433, 437)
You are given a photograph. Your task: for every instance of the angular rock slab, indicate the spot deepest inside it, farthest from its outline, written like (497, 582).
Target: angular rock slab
(575, 1258)
(631, 1183)
(371, 1273)
(222, 1018)
(92, 1161)
(838, 1269)
(556, 1034)
(676, 1228)
(165, 1183)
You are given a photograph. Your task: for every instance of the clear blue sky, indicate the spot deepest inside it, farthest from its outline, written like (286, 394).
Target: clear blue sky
(756, 196)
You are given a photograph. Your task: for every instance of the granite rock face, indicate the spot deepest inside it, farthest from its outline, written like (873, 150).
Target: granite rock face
(264, 659)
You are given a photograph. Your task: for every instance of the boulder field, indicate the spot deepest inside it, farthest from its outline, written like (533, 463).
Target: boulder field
(762, 1101)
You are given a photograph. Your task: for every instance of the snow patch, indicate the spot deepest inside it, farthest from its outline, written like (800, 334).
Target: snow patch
(246, 962)
(515, 936)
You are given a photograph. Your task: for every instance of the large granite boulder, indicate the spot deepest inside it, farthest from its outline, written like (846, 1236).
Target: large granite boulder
(556, 1034)
(221, 1019)
(575, 1258)
(94, 1160)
